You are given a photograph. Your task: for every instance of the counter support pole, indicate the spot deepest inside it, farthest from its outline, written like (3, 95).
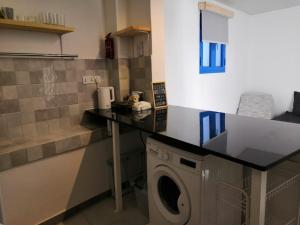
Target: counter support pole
(117, 166)
(258, 197)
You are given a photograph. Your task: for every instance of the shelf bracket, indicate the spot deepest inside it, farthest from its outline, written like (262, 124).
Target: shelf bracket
(61, 44)
(36, 55)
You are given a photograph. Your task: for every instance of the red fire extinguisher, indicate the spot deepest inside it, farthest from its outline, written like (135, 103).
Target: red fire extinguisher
(109, 47)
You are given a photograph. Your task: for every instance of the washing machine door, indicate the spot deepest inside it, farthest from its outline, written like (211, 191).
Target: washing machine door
(170, 196)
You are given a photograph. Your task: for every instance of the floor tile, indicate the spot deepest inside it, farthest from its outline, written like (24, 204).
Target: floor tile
(102, 213)
(77, 219)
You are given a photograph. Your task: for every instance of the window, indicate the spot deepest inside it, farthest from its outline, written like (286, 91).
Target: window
(212, 57)
(213, 39)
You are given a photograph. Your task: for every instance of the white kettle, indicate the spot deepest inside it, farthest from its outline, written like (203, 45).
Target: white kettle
(106, 95)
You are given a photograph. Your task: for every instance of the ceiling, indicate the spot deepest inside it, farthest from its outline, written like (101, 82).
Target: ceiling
(260, 6)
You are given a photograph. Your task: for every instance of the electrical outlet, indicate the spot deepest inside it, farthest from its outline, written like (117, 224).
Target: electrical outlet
(98, 79)
(88, 79)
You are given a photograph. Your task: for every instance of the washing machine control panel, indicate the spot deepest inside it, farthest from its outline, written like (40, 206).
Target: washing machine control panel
(163, 155)
(159, 153)
(167, 154)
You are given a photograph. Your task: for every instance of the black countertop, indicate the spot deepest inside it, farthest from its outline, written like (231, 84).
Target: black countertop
(257, 143)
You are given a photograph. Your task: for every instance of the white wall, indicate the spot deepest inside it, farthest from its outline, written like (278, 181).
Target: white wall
(185, 86)
(119, 14)
(86, 16)
(132, 13)
(139, 12)
(122, 14)
(262, 55)
(159, 41)
(274, 55)
(110, 13)
(35, 192)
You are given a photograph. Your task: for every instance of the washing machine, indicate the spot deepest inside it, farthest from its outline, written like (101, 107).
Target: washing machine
(174, 185)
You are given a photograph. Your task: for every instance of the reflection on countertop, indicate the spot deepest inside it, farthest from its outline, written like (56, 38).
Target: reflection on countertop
(253, 142)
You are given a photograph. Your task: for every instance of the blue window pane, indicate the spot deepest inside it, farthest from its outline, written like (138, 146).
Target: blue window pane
(218, 54)
(206, 55)
(212, 57)
(206, 129)
(218, 123)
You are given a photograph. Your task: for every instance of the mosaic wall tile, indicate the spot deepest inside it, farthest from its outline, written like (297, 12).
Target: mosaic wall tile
(34, 153)
(9, 106)
(29, 130)
(70, 64)
(66, 99)
(62, 144)
(64, 123)
(19, 157)
(24, 91)
(59, 65)
(38, 103)
(3, 126)
(23, 77)
(53, 113)
(5, 162)
(36, 64)
(53, 125)
(39, 97)
(7, 78)
(64, 111)
(21, 64)
(141, 76)
(49, 149)
(74, 110)
(68, 144)
(42, 128)
(26, 105)
(14, 132)
(60, 76)
(41, 115)
(13, 119)
(70, 76)
(6, 65)
(91, 64)
(44, 95)
(27, 117)
(36, 77)
(75, 120)
(9, 92)
(37, 90)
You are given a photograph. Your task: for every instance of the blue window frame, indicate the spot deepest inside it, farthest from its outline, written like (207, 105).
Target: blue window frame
(212, 57)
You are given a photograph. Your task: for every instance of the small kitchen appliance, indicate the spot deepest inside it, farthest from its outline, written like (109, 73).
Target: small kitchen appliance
(106, 95)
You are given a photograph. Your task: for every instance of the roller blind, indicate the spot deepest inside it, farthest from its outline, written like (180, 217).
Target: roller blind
(214, 27)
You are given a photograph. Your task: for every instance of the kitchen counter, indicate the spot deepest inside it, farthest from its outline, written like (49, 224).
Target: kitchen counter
(16, 152)
(257, 143)
(265, 172)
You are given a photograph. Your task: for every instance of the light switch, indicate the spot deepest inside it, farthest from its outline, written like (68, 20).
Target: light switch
(88, 79)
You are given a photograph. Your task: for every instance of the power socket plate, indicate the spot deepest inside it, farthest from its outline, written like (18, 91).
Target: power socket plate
(88, 79)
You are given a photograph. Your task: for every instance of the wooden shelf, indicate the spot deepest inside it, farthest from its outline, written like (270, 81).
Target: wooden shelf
(22, 25)
(132, 31)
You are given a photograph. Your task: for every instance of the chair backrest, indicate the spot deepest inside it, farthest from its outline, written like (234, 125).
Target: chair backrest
(259, 105)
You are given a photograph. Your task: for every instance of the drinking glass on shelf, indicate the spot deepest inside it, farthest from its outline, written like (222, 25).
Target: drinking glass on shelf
(45, 18)
(7, 12)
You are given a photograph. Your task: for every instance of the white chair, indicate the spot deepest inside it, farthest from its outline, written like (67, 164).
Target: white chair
(259, 105)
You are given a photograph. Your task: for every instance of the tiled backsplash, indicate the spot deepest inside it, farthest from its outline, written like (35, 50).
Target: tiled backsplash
(38, 96)
(141, 76)
(131, 75)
